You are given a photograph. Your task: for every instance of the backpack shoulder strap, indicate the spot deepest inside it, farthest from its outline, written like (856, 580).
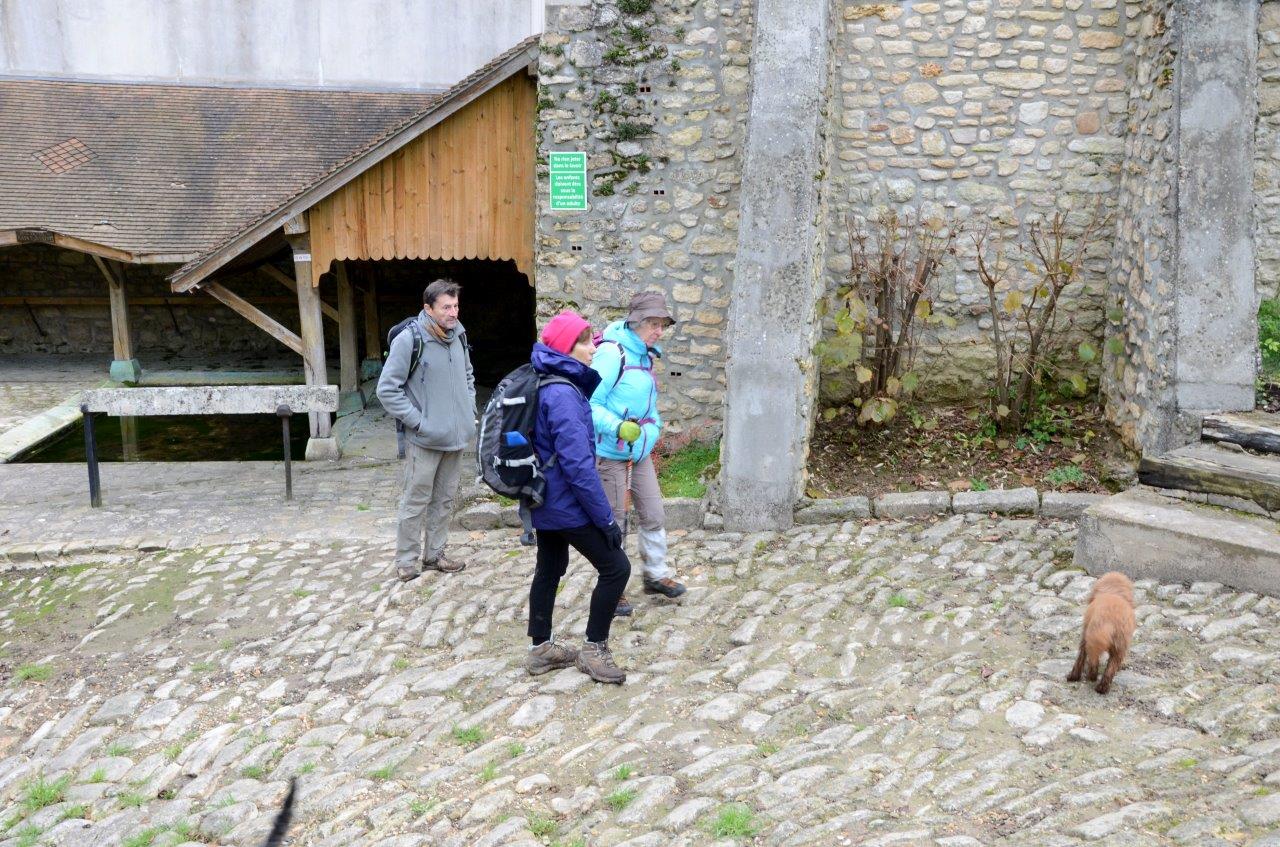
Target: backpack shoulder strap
(416, 356)
(622, 360)
(553, 380)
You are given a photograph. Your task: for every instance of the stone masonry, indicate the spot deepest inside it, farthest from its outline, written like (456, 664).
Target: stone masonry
(991, 113)
(1136, 366)
(1267, 151)
(655, 93)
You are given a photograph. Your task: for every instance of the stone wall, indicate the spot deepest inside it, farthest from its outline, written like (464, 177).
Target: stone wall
(1138, 354)
(1267, 151)
(655, 93)
(203, 327)
(989, 112)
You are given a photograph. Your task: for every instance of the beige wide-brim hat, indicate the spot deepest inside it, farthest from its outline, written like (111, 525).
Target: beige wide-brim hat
(649, 304)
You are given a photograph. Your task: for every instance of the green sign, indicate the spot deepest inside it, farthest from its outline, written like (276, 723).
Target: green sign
(568, 182)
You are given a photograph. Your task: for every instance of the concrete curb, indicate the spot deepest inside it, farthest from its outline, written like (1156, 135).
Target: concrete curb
(923, 504)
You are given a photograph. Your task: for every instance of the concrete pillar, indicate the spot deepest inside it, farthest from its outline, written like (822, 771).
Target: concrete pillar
(322, 444)
(1217, 306)
(773, 313)
(1183, 267)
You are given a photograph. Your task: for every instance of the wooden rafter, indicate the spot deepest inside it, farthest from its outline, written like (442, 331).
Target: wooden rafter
(275, 273)
(251, 313)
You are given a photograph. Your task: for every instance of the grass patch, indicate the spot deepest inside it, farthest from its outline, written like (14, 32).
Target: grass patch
(79, 810)
(306, 768)
(899, 601)
(621, 798)
(1269, 337)
(623, 773)
(33, 673)
(145, 838)
(733, 821)
(541, 826)
(399, 663)
(385, 772)
(40, 793)
(132, 799)
(514, 749)
(421, 807)
(1186, 764)
(204, 667)
(766, 748)
(28, 836)
(681, 474)
(115, 748)
(98, 776)
(1066, 475)
(468, 736)
(173, 751)
(488, 773)
(253, 772)
(302, 592)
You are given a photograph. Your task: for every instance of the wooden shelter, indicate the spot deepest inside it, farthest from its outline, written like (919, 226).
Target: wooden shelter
(454, 181)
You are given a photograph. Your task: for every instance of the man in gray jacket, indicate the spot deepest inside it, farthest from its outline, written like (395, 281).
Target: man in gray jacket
(428, 385)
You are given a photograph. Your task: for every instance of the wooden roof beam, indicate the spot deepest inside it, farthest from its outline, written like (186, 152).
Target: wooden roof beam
(253, 315)
(272, 272)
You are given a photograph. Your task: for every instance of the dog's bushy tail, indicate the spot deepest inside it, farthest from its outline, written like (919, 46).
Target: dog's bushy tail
(281, 825)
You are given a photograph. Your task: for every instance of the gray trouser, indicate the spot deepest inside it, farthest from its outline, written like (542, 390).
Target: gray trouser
(651, 537)
(430, 481)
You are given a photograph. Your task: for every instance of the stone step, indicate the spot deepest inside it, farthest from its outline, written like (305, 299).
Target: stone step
(1147, 535)
(1216, 470)
(1255, 430)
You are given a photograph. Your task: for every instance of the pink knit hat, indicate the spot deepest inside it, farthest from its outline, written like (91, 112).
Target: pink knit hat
(562, 332)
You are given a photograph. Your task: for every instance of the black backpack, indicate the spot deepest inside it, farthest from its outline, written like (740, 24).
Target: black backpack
(506, 460)
(414, 358)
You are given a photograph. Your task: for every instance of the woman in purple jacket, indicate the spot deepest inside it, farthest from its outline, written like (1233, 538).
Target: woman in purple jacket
(575, 512)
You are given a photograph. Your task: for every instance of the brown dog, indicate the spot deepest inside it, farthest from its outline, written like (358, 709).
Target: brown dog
(1108, 628)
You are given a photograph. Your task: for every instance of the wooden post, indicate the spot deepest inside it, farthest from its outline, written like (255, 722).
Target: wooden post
(271, 272)
(348, 376)
(322, 444)
(124, 367)
(372, 364)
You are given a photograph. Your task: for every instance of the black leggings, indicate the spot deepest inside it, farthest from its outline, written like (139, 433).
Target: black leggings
(553, 560)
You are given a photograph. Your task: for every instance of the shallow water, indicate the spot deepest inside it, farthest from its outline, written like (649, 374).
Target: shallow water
(177, 438)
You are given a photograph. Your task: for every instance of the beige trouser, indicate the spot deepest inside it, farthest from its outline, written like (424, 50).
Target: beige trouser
(430, 481)
(646, 497)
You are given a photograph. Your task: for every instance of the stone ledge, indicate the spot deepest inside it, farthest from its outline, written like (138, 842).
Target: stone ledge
(1010, 501)
(838, 510)
(912, 504)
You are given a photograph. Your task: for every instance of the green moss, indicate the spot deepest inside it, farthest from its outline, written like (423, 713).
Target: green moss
(683, 473)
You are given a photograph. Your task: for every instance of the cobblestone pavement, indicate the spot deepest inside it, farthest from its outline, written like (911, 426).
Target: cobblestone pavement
(875, 684)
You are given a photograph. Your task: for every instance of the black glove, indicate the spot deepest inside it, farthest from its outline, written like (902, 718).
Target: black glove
(613, 534)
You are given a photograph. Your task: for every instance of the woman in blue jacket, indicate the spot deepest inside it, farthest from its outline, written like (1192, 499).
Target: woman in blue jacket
(575, 512)
(624, 411)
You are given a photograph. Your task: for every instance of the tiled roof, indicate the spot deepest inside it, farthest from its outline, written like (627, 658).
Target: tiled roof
(168, 169)
(375, 150)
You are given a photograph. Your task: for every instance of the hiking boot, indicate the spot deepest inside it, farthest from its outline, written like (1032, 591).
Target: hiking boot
(596, 661)
(549, 656)
(407, 573)
(624, 609)
(444, 565)
(666, 586)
